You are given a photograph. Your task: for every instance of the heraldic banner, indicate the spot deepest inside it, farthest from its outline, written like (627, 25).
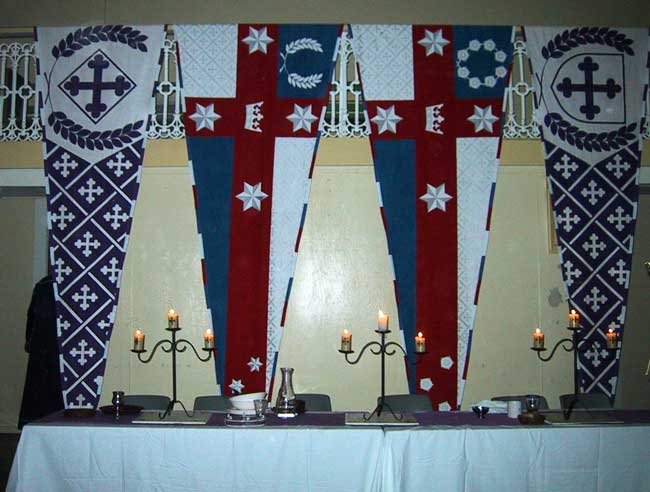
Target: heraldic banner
(434, 96)
(590, 84)
(253, 95)
(95, 86)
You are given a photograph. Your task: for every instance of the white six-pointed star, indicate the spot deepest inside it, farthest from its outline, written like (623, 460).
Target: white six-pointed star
(386, 120)
(255, 364)
(204, 117)
(252, 196)
(257, 40)
(436, 198)
(236, 385)
(483, 119)
(302, 118)
(433, 42)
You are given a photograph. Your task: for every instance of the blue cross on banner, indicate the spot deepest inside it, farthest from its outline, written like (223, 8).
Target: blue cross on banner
(96, 84)
(589, 84)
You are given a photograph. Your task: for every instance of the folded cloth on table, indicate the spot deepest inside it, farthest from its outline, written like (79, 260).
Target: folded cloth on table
(495, 406)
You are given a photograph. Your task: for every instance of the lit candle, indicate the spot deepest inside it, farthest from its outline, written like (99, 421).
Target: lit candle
(346, 341)
(382, 321)
(172, 319)
(420, 344)
(574, 319)
(538, 339)
(138, 341)
(208, 339)
(612, 339)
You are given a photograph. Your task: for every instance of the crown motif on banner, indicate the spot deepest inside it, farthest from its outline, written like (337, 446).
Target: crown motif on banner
(434, 119)
(254, 116)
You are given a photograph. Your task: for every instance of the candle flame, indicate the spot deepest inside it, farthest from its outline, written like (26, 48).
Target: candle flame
(573, 311)
(538, 331)
(208, 332)
(138, 332)
(346, 332)
(611, 330)
(420, 334)
(172, 312)
(381, 314)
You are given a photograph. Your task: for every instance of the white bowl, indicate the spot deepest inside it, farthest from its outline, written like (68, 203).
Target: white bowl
(246, 401)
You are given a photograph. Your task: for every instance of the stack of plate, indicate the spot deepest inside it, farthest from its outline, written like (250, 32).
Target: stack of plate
(242, 412)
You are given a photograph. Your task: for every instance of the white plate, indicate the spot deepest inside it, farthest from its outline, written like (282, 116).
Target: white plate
(240, 411)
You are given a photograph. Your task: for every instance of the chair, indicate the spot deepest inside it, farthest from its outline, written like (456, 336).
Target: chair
(543, 404)
(148, 402)
(315, 402)
(408, 403)
(216, 403)
(585, 401)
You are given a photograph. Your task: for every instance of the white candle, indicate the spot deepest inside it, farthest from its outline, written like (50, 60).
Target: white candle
(612, 339)
(138, 340)
(574, 319)
(382, 321)
(172, 319)
(346, 341)
(420, 344)
(208, 339)
(538, 339)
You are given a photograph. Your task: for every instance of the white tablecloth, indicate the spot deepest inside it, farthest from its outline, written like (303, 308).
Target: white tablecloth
(148, 459)
(541, 459)
(156, 459)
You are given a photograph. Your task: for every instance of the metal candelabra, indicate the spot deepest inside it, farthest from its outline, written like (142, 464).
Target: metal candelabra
(382, 349)
(173, 346)
(575, 344)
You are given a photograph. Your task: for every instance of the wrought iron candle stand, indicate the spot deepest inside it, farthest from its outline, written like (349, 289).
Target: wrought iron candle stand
(575, 344)
(174, 346)
(382, 348)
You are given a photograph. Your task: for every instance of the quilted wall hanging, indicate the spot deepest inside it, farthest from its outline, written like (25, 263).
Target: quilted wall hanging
(434, 96)
(95, 86)
(590, 83)
(254, 95)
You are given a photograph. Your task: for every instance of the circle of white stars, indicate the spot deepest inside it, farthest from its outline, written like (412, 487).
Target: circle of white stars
(433, 42)
(436, 197)
(252, 196)
(302, 118)
(483, 119)
(204, 117)
(257, 40)
(386, 120)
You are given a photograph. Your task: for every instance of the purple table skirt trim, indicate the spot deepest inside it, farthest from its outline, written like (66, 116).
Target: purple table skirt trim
(335, 419)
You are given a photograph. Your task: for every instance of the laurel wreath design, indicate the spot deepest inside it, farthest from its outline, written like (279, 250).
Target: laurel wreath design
(295, 79)
(573, 38)
(75, 41)
(589, 141)
(108, 139)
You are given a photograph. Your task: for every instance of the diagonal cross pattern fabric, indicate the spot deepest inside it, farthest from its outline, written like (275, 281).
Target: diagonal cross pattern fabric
(96, 85)
(589, 85)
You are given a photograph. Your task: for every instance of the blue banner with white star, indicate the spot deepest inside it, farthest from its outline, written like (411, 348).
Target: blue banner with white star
(590, 84)
(95, 85)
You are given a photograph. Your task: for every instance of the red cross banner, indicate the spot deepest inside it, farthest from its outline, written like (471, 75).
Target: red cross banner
(434, 97)
(254, 96)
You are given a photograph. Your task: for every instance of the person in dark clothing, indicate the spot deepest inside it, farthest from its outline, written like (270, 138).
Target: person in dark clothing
(42, 392)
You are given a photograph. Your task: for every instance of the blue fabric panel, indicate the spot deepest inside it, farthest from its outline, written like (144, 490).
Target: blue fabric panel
(483, 55)
(305, 60)
(212, 161)
(395, 172)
